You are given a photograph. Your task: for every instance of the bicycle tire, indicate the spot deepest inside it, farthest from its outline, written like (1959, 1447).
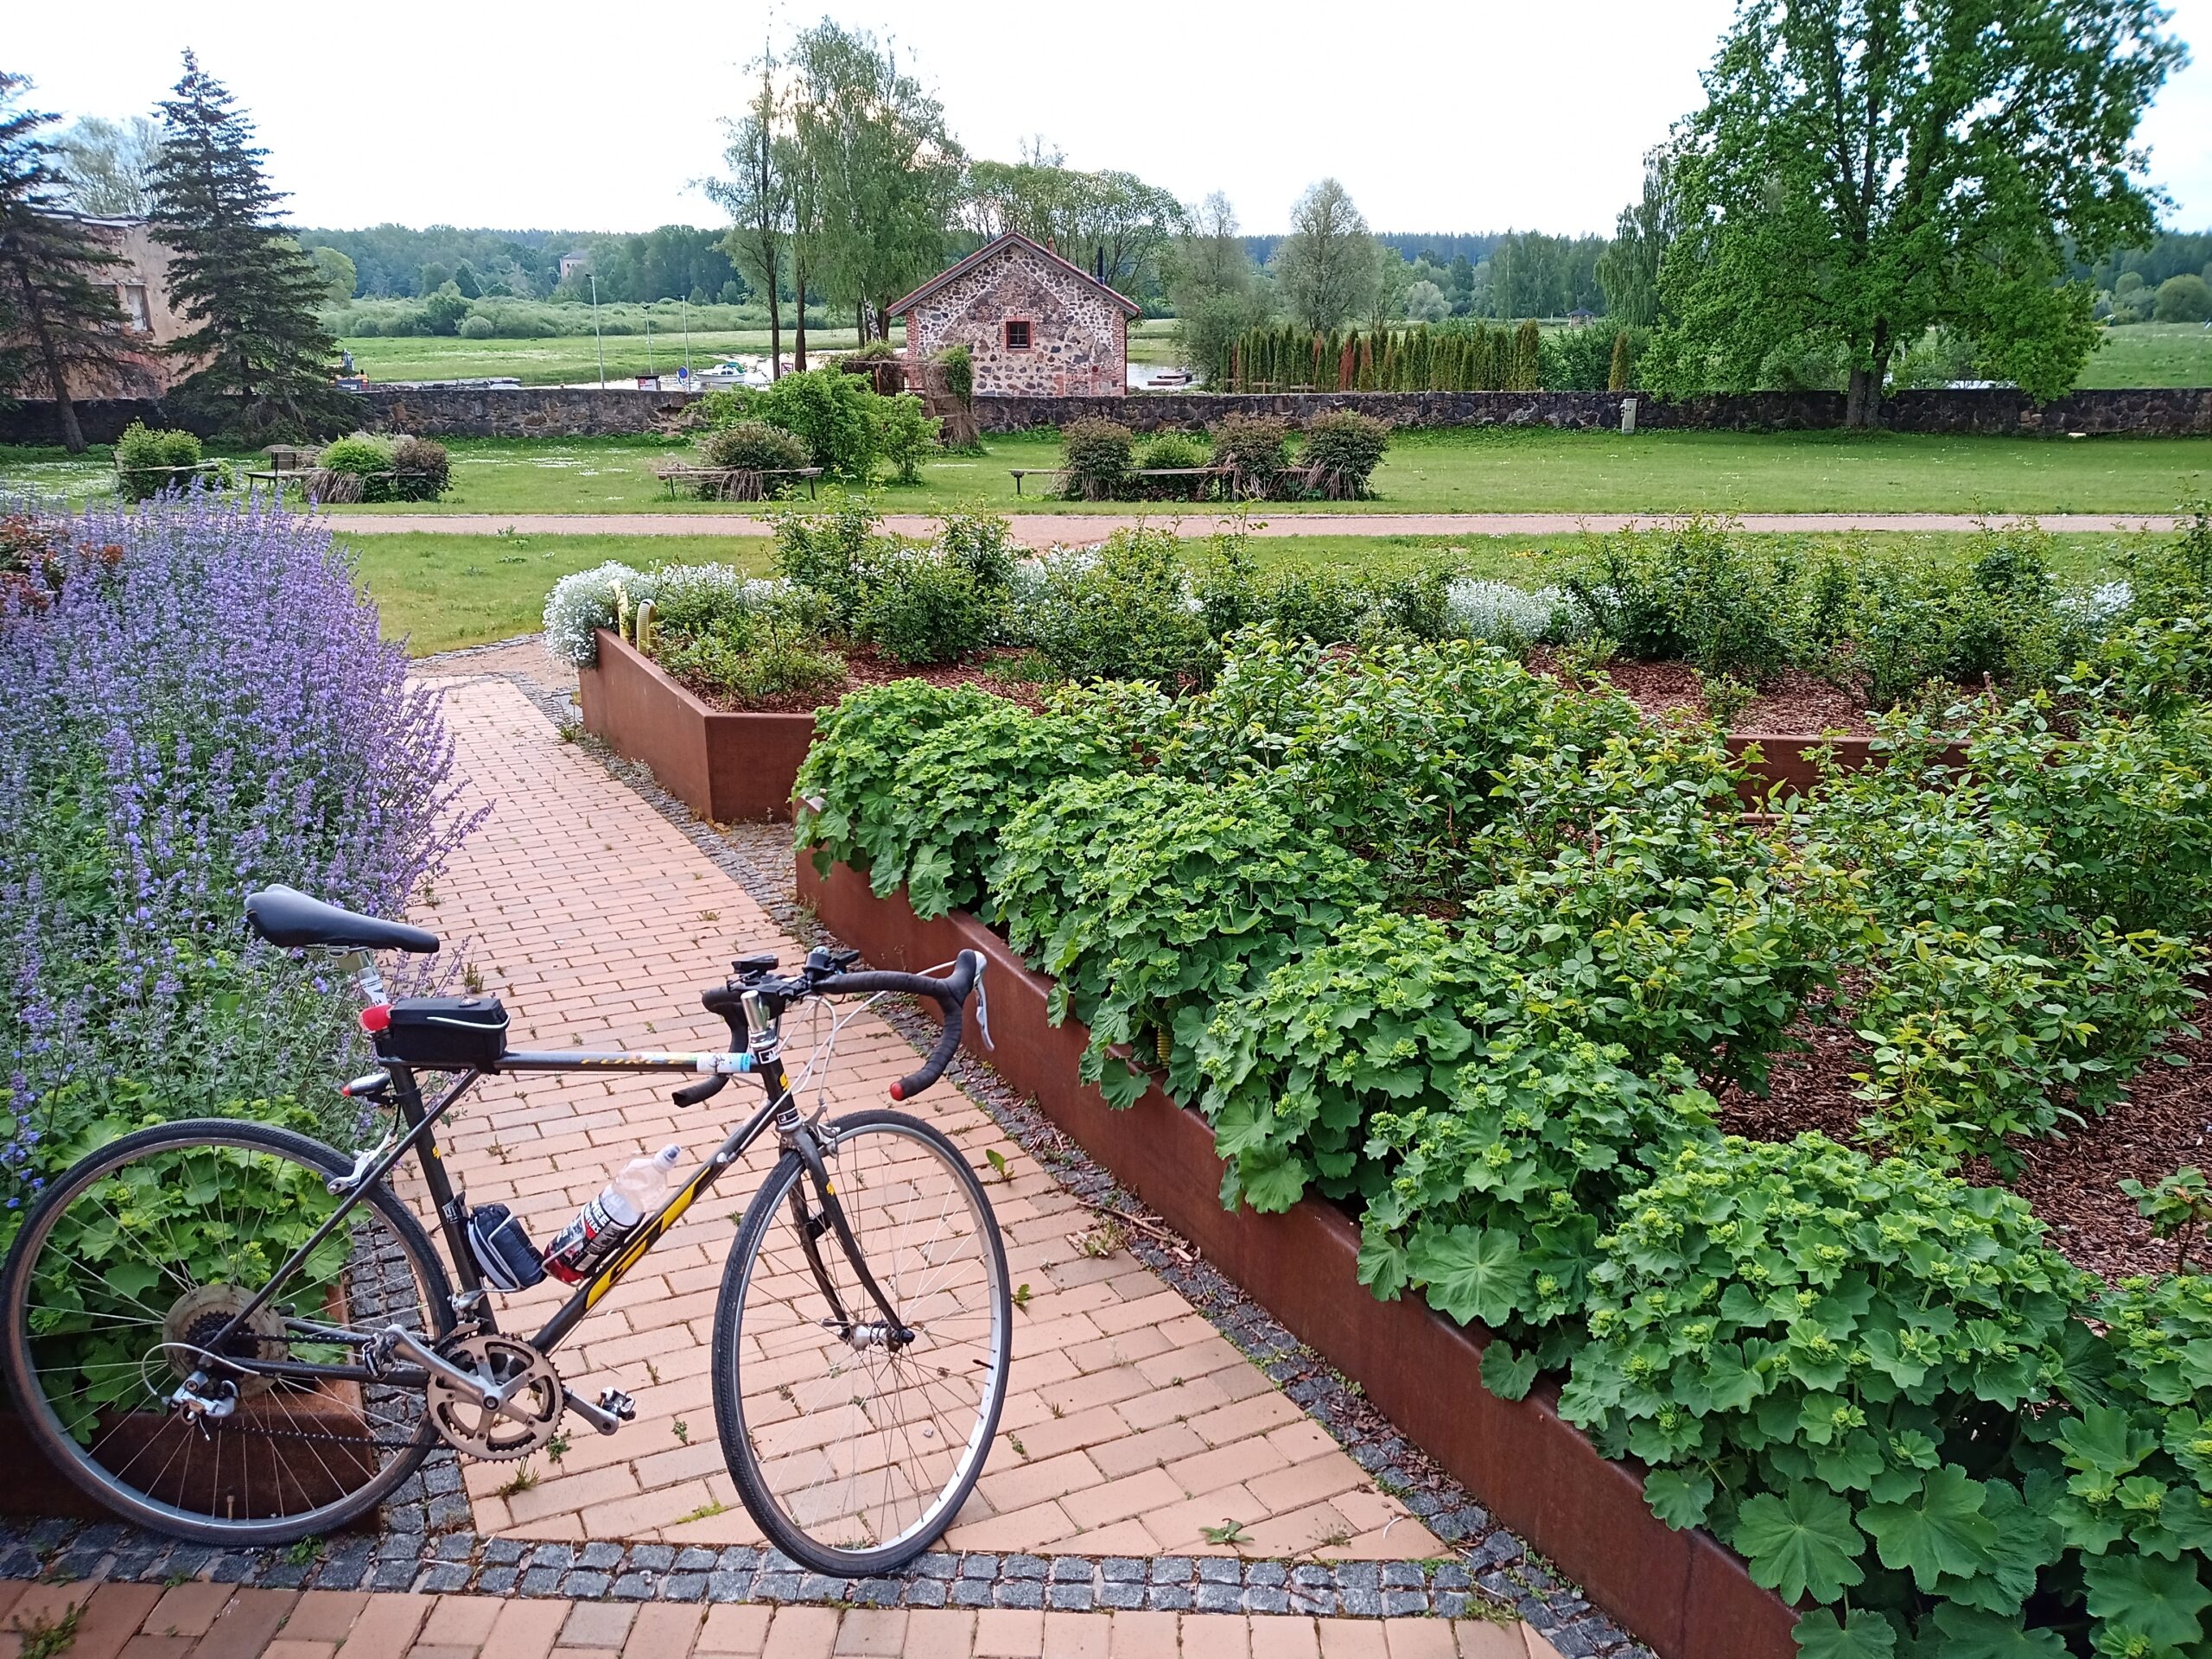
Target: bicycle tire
(44, 1424)
(755, 1486)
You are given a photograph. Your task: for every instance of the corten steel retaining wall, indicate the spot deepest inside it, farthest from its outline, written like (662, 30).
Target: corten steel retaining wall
(1683, 1592)
(729, 768)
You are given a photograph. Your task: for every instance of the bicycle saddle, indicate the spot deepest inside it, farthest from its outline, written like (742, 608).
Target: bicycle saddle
(284, 916)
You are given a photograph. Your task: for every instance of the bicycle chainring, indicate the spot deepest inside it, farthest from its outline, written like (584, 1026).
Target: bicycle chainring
(507, 1367)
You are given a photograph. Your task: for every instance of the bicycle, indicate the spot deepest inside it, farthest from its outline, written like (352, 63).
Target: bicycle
(233, 1333)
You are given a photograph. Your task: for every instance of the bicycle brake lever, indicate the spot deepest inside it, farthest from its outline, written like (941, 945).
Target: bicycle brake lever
(339, 1185)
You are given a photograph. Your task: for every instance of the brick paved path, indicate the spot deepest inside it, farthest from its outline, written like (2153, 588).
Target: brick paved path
(1045, 528)
(1132, 1423)
(214, 1621)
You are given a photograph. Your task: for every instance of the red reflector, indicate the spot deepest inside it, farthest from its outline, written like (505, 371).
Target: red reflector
(898, 1092)
(377, 1017)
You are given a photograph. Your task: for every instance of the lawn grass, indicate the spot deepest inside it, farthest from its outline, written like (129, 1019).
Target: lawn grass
(439, 592)
(569, 360)
(1467, 469)
(1464, 469)
(2153, 354)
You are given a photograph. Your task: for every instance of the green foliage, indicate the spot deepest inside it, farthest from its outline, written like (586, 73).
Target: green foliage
(835, 413)
(1095, 454)
(1691, 591)
(752, 447)
(921, 607)
(424, 469)
(1173, 449)
(768, 667)
(1834, 1343)
(1256, 450)
(1121, 614)
(1342, 447)
(959, 372)
(2184, 298)
(144, 456)
(1149, 901)
(906, 434)
(2176, 1207)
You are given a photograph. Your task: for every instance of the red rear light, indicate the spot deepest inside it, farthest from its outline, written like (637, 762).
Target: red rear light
(377, 1017)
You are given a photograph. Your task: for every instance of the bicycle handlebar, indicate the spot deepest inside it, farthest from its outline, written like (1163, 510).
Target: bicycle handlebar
(951, 993)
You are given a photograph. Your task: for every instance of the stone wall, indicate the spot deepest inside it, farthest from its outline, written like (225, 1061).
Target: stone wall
(2144, 413)
(524, 412)
(569, 412)
(1078, 337)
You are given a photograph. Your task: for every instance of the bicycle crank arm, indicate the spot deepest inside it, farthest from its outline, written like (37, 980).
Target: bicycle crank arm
(468, 1382)
(614, 1409)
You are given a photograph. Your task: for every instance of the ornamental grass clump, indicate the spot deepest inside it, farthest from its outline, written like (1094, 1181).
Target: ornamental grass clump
(209, 711)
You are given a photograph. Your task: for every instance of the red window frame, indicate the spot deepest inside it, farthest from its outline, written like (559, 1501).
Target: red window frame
(1028, 335)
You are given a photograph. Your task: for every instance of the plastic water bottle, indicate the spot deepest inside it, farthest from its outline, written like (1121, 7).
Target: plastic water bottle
(638, 1190)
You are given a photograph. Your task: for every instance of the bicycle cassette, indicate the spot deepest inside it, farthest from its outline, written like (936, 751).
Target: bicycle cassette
(519, 1376)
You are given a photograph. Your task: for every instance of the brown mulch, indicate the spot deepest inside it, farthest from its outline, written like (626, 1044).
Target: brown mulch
(1793, 703)
(2071, 1181)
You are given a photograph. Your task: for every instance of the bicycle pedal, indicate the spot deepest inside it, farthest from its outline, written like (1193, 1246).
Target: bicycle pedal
(618, 1404)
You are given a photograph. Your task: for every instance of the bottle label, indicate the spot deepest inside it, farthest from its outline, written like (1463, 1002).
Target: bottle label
(580, 1247)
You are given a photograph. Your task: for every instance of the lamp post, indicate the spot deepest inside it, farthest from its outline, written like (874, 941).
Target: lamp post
(597, 338)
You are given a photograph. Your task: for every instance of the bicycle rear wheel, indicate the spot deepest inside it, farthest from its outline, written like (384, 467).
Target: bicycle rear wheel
(132, 1263)
(854, 1442)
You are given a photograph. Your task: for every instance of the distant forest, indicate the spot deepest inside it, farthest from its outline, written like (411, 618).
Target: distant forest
(1538, 275)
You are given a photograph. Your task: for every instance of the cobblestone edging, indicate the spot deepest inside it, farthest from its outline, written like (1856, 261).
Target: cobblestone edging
(426, 1542)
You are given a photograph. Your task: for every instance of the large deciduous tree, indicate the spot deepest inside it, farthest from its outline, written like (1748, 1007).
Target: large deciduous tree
(1326, 266)
(1210, 286)
(264, 358)
(1628, 271)
(885, 172)
(1864, 170)
(56, 312)
(757, 196)
(1110, 222)
(110, 165)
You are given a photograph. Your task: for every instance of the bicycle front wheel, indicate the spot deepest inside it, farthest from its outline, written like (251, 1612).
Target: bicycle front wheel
(854, 1437)
(116, 1295)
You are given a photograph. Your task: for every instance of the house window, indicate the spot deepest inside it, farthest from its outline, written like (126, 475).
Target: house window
(131, 297)
(1017, 333)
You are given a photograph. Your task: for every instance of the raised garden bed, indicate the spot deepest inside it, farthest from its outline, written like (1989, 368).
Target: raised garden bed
(727, 768)
(1683, 1592)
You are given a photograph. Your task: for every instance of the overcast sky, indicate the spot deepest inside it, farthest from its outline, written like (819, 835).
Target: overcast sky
(1458, 115)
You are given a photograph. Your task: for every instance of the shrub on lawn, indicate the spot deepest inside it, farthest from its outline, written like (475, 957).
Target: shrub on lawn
(834, 412)
(905, 433)
(424, 469)
(208, 709)
(1256, 450)
(752, 447)
(351, 469)
(143, 456)
(1343, 448)
(1096, 454)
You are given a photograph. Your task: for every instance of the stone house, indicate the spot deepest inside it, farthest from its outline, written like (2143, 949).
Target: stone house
(1036, 325)
(149, 323)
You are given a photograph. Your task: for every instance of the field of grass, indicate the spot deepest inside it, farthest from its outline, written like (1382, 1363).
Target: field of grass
(569, 360)
(1458, 470)
(1474, 470)
(439, 592)
(2153, 354)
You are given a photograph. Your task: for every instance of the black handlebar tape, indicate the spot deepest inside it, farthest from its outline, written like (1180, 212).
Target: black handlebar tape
(951, 993)
(692, 1094)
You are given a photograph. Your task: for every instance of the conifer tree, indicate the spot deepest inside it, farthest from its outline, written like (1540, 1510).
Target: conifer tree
(1367, 362)
(1617, 378)
(264, 358)
(56, 313)
(1528, 344)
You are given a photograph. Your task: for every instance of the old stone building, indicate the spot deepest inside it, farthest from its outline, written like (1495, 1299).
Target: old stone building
(1035, 325)
(140, 283)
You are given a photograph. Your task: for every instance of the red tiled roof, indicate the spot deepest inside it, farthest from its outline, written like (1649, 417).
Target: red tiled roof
(996, 245)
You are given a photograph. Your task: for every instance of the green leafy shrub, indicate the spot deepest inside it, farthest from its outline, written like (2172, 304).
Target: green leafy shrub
(835, 413)
(906, 434)
(1123, 613)
(1692, 592)
(355, 468)
(476, 329)
(1343, 448)
(959, 372)
(766, 666)
(1149, 901)
(1095, 456)
(829, 552)
(1256, 450)
(1819, 1357)
(143, 456)
(752, 447)
(424, 469)
(1172, 448)
(921, 607)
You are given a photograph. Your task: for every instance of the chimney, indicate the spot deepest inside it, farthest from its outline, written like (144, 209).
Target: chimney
(1098, 266)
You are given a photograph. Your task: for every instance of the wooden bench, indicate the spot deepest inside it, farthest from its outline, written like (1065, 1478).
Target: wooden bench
(1199, 474)
(733, 483)
(171, 475)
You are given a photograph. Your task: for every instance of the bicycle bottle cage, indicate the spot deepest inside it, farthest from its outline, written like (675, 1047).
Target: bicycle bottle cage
(445, 1032)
